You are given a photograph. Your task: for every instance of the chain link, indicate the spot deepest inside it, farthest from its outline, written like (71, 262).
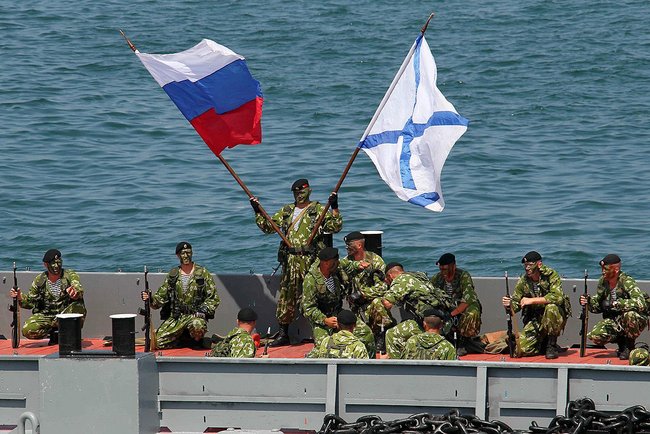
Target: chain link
(582, 418)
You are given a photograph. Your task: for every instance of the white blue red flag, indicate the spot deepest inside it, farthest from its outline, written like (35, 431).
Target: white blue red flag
(413, 131)
(213, 88)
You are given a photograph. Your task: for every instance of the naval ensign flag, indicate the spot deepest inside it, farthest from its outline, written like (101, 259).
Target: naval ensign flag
(413, 131)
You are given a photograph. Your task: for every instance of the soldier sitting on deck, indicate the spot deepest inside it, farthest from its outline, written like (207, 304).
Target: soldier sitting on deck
(188, 298)
(238, 343)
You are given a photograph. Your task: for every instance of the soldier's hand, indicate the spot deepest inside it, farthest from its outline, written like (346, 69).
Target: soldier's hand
(363, 265)
(583, 300)
(331, 322)
(387, 304)
(506, 301)
(145, 295)
(334, 201)
(13, 293)
(72, 292)
(199, 315)
(255, 204)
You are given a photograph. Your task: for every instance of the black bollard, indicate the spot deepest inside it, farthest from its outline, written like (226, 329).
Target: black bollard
(124, 334)
(328, 239)
(69, 333)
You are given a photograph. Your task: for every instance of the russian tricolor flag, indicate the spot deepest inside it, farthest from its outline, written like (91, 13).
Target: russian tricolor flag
(213, 88)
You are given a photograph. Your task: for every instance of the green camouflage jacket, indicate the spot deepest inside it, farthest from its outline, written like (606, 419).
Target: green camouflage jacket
(415, 290)
(41, 299)
(341, 345)
(300, 232)
(367, 282)
(201, 294)
(429, 346)
(318, 302)
(628, 294)
(237, 344)
(550, 287)
(462, 287)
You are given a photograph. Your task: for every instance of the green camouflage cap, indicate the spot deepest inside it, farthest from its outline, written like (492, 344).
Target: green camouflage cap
(639, 357)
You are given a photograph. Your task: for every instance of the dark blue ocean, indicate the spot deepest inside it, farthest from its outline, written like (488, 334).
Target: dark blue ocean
(99, 163)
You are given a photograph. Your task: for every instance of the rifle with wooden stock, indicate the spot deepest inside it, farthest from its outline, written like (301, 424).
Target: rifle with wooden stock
(149, 331)
(584, 318)
(512, 341)
(14, 307)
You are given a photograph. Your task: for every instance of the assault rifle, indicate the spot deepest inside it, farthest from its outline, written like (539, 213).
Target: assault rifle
(512, 343)
(584, 318)
(15, 320)
(149, 332)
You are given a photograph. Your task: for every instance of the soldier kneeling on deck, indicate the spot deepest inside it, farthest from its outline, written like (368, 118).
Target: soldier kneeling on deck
(188, 298)
(622, 304)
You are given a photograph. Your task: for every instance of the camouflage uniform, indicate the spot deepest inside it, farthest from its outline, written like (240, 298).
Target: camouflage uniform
(417, 294)
(640, 357)
(237, 344)
(180, 305)
(628, 321)
(46, 305)
(429, 346)
(318, 303)
(296, 261)
(341, 345)
(540, 321)
(372, 289)
(461, 290)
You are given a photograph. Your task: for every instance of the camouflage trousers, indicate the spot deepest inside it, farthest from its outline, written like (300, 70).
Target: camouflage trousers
(169, 333)
(377, 315)
(293, 273)
(628, 325)
(639, 357)
(397, 336)
(469, 324)
(361, 331)
(39, 325)
(532, 336)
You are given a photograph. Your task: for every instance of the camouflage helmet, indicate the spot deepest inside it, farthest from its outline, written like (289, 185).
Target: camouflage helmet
(640, 357)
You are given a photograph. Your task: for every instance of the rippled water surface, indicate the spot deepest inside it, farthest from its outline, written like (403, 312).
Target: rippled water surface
(98, 162)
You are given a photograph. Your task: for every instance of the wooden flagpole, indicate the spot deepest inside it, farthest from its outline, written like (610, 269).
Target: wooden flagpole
(232, 172)
(399, 74)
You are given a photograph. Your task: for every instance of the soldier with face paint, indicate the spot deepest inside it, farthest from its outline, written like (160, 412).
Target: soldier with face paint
(188, 298)
(326, 286)
(458, 284)
(622, 304)
(545, 307)
(368, 288)
(54, 291)
(297, 221)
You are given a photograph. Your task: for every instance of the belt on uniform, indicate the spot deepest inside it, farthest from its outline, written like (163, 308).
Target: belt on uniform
(301, 250)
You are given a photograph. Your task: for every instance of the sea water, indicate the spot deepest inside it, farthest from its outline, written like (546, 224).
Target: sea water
(98, 162)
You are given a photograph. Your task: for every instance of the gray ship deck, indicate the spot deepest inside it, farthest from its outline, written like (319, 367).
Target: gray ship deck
(183, 391)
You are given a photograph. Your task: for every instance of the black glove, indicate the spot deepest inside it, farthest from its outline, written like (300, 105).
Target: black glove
(255, 205)
(334, 201)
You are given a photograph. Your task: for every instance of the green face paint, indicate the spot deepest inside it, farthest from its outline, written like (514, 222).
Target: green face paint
(185, 256)
(302, 196)
(55, 266)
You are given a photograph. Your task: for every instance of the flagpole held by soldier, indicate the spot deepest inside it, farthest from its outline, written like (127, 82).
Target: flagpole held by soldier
(297, 221)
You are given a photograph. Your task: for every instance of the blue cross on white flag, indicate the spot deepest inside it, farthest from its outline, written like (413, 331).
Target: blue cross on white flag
(413, 131)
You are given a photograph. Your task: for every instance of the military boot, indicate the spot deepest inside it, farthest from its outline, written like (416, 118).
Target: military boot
(380, 342)
(461, 347)
(628, 345)
(551, 348)
(622, 350)
(283, 337)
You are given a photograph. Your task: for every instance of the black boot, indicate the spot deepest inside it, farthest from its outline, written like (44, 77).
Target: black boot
(620, 352)
(461, 347)
(283, 337)
(628, 345)
(551, 348)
